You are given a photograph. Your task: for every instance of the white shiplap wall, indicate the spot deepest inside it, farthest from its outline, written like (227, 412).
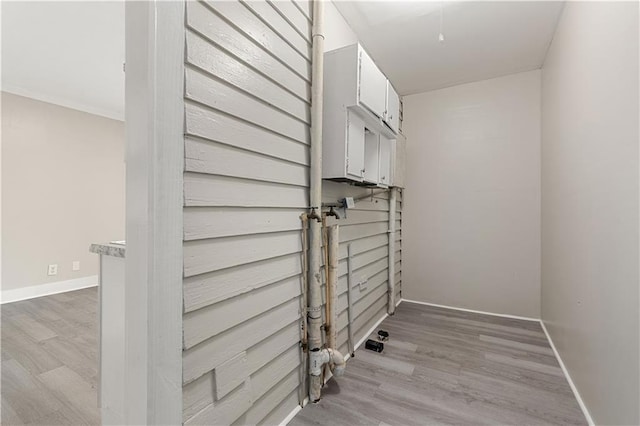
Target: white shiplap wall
(365, 228)
(247, 94)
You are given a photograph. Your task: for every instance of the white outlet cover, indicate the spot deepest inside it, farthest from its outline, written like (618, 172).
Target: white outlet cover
(363, 283)
(349, 202)
(75, 265)
(52, 270)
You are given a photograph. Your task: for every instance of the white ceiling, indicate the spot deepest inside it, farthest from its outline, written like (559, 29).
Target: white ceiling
(483, 39)
(67, 53)
(71, 53)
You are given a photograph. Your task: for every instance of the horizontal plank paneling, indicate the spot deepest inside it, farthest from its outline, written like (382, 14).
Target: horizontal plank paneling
(305, 7)
(207, 355)
(197, 395)
(264, 351)
(231, 374)
(355, 217)
(209, 91)
(275, 371)
(270, 400)
(210, 25)
(361, 245)
(216, 126)
(375, 204)
(210, 255)
(207, 289)
(374, 282)
(218, 159)
(215, 222)
(270, 16)
(369, 257)
(363, 304)
(200, 393)
(362, 323)
(215, 61)
(204, 190)
(353, 232)
(294, 16)
(226, 410)
(207, 322)
(255, 29)
(281, 411)
(247, 88)
(370, 271)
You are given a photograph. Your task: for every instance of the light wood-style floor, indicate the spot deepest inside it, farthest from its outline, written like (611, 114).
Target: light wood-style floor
(443, 366)
(50, 360)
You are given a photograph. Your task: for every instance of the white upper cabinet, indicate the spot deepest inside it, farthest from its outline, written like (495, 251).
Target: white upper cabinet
(372, 85)
(392, 112)
(361, 118)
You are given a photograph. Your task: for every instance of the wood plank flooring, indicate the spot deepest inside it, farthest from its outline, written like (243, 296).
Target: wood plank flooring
(443, 366)
(50, 360)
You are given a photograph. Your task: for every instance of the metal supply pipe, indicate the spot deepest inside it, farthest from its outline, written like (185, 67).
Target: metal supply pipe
(340, 203)
(391, 282)
(325, 245)
(350, 343)
(314, 313)
(332, 287)
(303, 340)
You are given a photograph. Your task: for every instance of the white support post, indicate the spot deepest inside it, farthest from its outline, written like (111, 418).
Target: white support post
(154, 99)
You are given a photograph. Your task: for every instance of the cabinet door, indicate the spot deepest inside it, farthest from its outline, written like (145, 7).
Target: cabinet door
(372, 88)
(371, 156)
(355, 145)
(386, 158)
(392, 115)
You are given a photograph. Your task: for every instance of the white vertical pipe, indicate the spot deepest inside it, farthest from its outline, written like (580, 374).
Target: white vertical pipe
(391, 282)
(332, 287)
(314, 313)
(350, 299)
(305, 271)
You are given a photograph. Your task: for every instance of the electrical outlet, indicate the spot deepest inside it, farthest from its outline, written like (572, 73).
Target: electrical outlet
(349, 202)
(53, 270)
(363, 283)
(75, 265)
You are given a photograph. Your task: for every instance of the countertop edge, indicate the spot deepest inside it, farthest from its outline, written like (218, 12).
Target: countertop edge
(114, 250)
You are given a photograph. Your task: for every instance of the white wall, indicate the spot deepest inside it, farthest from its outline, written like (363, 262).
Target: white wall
(337, 32)
(590, 204)
(62, 189)
(472, 202)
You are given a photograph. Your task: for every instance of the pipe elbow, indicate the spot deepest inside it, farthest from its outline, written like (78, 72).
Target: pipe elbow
(317, 359)
(337, 364)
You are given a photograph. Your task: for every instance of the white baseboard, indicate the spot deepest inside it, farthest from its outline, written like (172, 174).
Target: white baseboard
(297, 409)
(371, 330)
(293, 412)
(473, 311)
(581, 403)
(30, 292)
(583, 407)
